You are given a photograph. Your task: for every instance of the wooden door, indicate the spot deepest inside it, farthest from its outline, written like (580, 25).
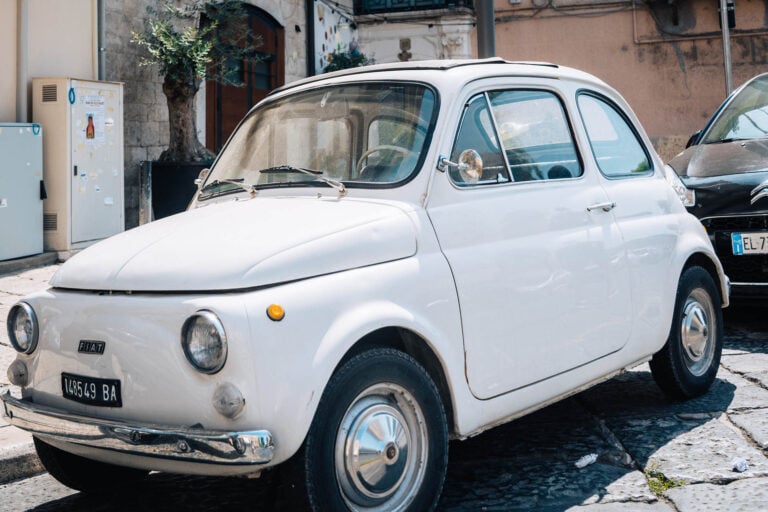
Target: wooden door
(226, 104)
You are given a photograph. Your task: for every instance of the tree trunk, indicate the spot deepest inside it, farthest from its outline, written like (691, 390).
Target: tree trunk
(183, 145)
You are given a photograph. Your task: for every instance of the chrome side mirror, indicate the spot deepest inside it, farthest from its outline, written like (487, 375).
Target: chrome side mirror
(470, 165)
(201, 177)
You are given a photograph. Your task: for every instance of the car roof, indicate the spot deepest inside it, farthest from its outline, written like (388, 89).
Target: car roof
(466, 69)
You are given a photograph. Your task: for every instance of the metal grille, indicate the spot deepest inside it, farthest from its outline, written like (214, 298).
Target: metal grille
(50, 93)
(749, 268)
(50, 222)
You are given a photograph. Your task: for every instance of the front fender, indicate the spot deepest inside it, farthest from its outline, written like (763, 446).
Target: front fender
(326, 316)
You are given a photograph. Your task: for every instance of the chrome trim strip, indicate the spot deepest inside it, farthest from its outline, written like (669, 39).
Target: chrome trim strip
(179, 444)
(748, 284)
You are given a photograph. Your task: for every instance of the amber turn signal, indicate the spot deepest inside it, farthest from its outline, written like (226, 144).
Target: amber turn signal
(276, 312)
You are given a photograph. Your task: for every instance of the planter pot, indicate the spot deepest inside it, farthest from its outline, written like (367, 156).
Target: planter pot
(172, 186)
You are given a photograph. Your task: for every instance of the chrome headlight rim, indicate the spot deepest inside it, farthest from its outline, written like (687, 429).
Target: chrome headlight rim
(11, 322)
(214, 322)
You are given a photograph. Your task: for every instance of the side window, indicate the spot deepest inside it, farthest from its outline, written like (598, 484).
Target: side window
(476, 132)
(616, 146)
(535, 135)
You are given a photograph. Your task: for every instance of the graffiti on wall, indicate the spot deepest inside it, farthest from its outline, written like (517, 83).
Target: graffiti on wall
(334, 32)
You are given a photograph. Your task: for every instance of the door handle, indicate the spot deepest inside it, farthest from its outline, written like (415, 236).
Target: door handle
(606, 207)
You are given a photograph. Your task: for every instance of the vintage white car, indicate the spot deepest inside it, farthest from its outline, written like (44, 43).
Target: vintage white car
(380, 260)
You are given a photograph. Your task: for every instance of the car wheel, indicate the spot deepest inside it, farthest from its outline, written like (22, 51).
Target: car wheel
(84, 474)
(688, 363)
(379, 438)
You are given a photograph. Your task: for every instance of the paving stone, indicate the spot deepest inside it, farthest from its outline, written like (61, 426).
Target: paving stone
(690, 449)
(548, 434)
(748, 495)
(761, 378)
(743, 364)
(636, 394)
(7, 355)
(528, 464)
(623, 507)
(542, 485)
(755, 424)
(747, 394)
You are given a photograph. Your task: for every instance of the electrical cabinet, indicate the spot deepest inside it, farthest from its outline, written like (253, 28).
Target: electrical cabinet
(21, 202)
(83, 154)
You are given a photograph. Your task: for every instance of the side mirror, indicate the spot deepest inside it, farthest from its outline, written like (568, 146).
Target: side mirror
(201, 177)
(470, 165)
(693, 139)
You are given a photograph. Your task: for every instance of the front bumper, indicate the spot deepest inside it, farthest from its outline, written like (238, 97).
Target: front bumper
(178, 444)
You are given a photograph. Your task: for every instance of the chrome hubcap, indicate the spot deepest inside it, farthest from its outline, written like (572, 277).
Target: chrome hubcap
(380, 451)
(697, 333)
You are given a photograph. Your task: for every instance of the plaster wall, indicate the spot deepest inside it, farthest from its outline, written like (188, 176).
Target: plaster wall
(62, 39)
(416, 36)
(8, 61)
(60, 43)
(671, 74)
(444, 38)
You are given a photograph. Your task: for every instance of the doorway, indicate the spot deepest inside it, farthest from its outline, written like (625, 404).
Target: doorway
(227, 104)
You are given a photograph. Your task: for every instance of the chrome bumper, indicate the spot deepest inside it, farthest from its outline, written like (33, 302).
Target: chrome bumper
(180, 444)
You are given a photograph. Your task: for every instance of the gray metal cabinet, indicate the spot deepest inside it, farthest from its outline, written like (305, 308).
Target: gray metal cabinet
(21, 204)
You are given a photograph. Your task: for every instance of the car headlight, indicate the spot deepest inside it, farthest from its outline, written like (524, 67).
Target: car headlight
(686, 195)
(204, 342)
(23, 329)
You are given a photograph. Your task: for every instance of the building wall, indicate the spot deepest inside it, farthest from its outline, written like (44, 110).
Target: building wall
(60, 43)
(418, 35)
(8, 62)
(668, 63)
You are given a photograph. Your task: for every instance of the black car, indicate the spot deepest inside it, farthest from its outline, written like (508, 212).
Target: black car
(725, 165)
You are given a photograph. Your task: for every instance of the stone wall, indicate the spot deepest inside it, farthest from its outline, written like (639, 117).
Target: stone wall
(144, 106)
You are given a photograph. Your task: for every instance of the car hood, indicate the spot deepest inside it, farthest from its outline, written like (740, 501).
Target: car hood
(722, 159)
(244, 244)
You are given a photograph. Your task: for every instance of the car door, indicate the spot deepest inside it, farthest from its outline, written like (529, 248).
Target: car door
(644, 213)
(538, 262)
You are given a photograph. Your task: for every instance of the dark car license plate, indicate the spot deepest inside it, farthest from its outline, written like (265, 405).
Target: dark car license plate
(91, 391)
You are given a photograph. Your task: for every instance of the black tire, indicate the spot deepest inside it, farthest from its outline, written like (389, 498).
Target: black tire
(84, 474)
(378, 388)
(687, 364)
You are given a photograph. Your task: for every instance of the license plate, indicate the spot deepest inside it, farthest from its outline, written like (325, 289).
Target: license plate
(91, 391)
(749, 243)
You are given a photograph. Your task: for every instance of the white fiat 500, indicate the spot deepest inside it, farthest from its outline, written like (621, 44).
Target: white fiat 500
(380, 260)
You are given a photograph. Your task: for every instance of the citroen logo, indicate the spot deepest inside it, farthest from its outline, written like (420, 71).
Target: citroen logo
(759, 192)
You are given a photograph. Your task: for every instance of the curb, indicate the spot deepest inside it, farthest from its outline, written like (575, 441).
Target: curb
(19, 461)
(18, 458)
(38, 260)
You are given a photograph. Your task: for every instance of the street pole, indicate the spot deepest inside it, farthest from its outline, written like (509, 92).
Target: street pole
(726, 47)
(486, 32)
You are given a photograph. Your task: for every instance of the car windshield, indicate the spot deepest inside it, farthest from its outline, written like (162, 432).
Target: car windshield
(745, 117)
(358, 135)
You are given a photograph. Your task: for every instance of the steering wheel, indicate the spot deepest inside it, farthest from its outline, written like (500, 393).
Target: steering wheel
(384, 147)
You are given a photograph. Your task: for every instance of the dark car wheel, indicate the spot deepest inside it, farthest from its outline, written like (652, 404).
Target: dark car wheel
(379, 439)
(84, 474)
(688, 363)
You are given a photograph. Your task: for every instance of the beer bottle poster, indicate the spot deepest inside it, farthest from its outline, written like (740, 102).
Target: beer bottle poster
(93, 124)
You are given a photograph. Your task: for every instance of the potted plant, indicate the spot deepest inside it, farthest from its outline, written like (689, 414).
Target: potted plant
(351, 58)
(188, 44)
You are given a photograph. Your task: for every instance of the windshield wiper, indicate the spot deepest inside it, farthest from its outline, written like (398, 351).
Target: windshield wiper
(339, 186)
(238, 182)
